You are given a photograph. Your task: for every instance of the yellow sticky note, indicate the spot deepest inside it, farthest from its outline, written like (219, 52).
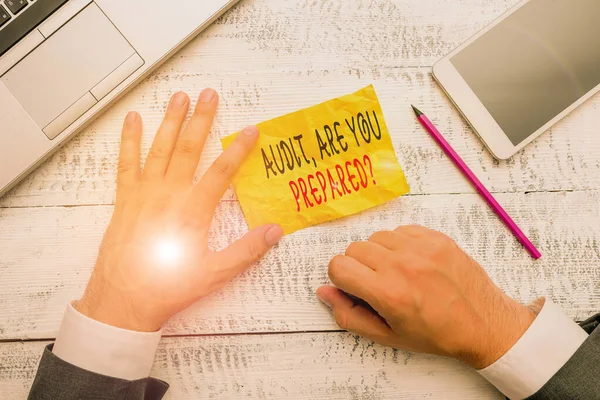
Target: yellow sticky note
(318, 164)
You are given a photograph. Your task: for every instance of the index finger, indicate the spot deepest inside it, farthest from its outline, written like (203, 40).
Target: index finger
(217, 179)
(370, 254)
(354, 278)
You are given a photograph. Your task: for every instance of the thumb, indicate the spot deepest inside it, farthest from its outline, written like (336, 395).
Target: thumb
(356, 318)
(249, 249)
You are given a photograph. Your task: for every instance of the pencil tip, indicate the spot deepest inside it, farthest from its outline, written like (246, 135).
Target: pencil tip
(418, 113)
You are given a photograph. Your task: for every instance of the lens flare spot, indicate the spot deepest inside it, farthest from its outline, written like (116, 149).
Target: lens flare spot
(169, 252)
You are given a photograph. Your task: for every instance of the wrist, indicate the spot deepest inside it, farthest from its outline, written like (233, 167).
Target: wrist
(509, 321)
(115, 311)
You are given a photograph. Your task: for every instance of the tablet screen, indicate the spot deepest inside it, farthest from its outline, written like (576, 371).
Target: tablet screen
(535, 63)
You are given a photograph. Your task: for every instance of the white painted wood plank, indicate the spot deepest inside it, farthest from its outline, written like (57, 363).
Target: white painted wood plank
(83, 172)
(355, 34)
(268, 58)
(46, 255)
(283, 366)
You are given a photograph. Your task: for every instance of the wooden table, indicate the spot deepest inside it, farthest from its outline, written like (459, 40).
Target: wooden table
(266, 336)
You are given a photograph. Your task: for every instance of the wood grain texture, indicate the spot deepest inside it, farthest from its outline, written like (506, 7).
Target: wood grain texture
(268, 58)
(46, 255)
(291, 366)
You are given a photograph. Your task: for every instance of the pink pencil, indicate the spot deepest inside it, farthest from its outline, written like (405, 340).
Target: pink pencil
(510, 224)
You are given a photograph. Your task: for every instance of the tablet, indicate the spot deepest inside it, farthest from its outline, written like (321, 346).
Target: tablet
(526, 71)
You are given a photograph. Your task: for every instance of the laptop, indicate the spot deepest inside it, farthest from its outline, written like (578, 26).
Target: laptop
(62, 62)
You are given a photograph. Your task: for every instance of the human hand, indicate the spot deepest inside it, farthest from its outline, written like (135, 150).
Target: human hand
(154, 260)
(431, 297)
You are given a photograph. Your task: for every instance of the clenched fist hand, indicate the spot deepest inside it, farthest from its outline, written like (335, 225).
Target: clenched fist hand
(429, 296)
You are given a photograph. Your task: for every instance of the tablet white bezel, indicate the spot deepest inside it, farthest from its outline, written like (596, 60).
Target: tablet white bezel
(475, 112)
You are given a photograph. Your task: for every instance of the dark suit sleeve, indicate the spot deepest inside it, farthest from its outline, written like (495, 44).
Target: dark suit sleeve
(59, 380)
(579, 378)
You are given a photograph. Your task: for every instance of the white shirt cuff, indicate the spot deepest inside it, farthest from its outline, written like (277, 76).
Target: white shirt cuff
(105, 349)
(544, 348)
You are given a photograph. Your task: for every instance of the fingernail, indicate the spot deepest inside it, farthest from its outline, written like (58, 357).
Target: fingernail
(207, 95)
(274, 235)
(179, 100)
(131, 118)
(250, 131)
(324, 299)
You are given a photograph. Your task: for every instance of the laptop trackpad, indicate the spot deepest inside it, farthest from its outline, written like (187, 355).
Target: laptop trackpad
(61, 72)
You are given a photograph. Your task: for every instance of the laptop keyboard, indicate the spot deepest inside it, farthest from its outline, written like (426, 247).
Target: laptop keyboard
(16, 6)
(11, 8)
(19, 17)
